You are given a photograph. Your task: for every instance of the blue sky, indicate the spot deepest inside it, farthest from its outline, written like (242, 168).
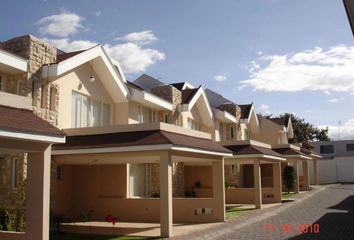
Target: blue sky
(285, 56)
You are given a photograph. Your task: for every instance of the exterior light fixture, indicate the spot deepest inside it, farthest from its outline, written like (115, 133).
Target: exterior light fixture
(92, 78)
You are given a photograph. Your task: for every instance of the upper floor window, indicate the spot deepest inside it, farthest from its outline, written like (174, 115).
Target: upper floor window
(192, 124)
(232, 132)
(350, 147)
(87, 112)
(326, 149)
(141, 114)
(221, 131)
(21, 88)
(2, 83)
(165, 118)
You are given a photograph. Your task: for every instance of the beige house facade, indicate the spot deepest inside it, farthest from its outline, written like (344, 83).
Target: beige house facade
(143, 151)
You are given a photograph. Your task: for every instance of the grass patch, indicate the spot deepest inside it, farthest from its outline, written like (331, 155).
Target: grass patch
(70, 236)
(288, 195)
(236, 212)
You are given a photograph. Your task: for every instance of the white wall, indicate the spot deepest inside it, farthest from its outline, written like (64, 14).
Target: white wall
(339, 169)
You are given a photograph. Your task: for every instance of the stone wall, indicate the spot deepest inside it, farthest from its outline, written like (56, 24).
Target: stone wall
(38, 53)
(172, 95)
(10, 197)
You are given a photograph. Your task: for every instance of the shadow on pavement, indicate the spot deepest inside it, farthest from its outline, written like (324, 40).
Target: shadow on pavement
(333, 225)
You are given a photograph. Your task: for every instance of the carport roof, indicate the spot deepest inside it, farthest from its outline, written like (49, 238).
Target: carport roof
(250, 149)
(139, 138)
(22, 120)
(289, 152)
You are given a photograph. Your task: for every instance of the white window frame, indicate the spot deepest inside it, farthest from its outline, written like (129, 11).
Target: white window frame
(221, 131)
(141, 114)
(14, 173)
(91, 111)
(232, 132)
(153, 115)
(165, 118)
(147, 186)
(3, 83)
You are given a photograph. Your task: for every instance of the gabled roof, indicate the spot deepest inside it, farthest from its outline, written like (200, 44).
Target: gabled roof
(245, 110)
(182, 85)
(140, 138)
(190, 97)
(11, 63)
(188, 94)
(283, 121)
(148, 99)
(291, 152)
(102, 65)
(63, 56)
(249, 149)
(216, 99)
(14, 120)
(147, 82)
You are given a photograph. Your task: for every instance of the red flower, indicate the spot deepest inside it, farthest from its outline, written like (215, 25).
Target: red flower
(111, 219)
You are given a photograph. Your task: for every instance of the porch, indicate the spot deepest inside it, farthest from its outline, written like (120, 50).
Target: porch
(253, 174)
(139, 183)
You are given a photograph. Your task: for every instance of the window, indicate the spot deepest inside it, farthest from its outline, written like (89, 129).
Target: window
(192, 124)
(326, 149)
(14, 180)
(21, 88)
(139, 179)
(153, 116)
(141, 114)
(2, 83)
(43, 96)
(165, 118)
(53, 93)
(233, 169)
(350, 147)
(87, 112)
(232, 133)
(221, 131)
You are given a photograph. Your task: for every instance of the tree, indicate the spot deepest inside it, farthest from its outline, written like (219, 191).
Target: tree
(289, 177)
(305, 132)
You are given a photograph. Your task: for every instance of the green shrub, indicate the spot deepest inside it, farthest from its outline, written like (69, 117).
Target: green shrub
(12, 220)
(289, 177)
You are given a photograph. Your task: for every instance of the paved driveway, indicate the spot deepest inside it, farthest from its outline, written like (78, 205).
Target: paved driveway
(328, 211)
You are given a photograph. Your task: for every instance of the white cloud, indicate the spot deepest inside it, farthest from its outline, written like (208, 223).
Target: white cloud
(335, 100)
(264, 109)
(139, 38)
(60, 25)
(98, 13)
(68, 45)
(328, 70)
(220, 78)
(346, 130)
(134, 58)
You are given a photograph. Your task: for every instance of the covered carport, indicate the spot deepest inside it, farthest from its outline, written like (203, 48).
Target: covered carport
(23, 132)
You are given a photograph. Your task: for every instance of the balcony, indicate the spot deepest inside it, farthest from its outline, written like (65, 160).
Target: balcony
(15, 101)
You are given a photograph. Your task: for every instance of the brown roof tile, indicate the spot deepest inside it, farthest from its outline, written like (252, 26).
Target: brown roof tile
(188, 94)
(249, 149)
(25, 121)
(289, 151)
(62, 57)
(245, 110)
(283, 121)
(138, 138)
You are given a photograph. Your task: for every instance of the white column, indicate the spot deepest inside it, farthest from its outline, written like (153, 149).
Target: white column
(38, 194)
(315, 171)
(257, 183)
(166, 195)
